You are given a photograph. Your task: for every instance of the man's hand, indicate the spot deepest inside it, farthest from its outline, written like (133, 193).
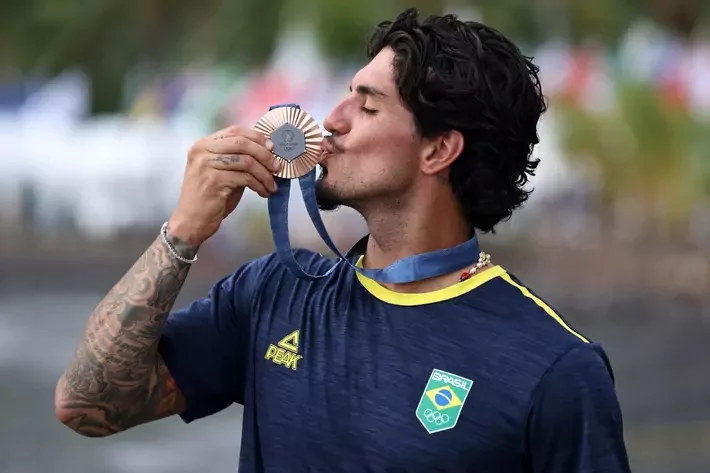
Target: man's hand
(219, 168)
(117, 379)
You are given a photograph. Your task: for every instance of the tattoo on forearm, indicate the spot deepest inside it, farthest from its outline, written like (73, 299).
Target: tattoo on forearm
(227, 159)
(117, 379)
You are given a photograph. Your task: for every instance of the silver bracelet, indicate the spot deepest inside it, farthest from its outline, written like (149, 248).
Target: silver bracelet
(171, 248)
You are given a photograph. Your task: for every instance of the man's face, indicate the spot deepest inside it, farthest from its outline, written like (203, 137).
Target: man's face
(374, 152)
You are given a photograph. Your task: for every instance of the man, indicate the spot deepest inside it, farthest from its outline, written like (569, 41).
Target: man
(457, 373)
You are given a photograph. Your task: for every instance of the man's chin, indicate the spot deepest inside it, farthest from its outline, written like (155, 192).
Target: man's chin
(325, 197)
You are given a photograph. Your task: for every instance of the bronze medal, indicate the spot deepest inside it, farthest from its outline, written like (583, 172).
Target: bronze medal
(297, 140)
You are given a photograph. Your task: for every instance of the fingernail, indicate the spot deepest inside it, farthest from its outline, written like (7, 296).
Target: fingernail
(277, 164)
(269, 145)
(274, 187)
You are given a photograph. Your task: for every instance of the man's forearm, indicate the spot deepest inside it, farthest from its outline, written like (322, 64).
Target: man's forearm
(116, 379)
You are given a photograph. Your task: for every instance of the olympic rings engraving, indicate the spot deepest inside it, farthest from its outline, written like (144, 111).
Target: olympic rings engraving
(436, 417)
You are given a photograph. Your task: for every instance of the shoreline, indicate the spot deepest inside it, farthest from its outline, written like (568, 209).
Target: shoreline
(68, 263)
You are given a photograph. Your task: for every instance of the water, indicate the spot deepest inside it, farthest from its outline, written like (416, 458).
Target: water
(38, 333)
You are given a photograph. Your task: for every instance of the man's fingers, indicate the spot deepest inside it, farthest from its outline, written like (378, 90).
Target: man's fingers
(235, 131)
(241, 157)
(240, 145)
(242, 163)
(244, 179)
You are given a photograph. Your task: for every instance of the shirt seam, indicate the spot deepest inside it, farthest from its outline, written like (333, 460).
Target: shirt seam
(533, 393)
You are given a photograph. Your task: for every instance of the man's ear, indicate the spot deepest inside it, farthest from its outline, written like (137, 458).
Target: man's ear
(441, 152)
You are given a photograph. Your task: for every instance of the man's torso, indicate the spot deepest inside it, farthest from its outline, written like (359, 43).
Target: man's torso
(345, 375)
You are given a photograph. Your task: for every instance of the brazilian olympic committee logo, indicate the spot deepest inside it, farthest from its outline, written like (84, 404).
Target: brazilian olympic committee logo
(441, 403)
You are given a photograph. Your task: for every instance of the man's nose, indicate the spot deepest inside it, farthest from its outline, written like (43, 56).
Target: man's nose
(336, 123)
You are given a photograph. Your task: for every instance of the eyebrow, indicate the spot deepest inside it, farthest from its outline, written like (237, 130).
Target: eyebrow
(368, 90)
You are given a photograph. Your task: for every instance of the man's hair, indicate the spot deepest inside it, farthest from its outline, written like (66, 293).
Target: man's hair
(465, 76)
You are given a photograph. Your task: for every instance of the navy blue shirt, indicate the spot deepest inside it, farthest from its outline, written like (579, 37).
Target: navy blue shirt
(344, 375)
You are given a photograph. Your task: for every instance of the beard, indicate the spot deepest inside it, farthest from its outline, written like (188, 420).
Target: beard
(326, 199)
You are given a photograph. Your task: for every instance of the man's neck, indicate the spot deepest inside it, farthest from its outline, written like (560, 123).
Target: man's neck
(407, 231)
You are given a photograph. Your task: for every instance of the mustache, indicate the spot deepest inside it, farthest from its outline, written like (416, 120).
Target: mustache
(333, 145)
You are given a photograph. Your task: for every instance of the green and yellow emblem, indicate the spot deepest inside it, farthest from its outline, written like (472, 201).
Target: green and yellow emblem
(441, 403)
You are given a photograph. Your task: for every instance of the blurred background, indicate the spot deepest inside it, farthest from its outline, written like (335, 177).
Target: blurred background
(100, 100)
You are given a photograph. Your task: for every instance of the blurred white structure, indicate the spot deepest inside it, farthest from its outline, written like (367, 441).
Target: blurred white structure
(109, 173)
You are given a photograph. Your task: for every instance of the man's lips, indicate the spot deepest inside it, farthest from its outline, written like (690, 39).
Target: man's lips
(327, 147)
(327, 150)
(323, 163)
(324, 158)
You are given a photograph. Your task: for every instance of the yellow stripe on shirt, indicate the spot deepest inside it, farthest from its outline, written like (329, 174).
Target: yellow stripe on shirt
(543, 306)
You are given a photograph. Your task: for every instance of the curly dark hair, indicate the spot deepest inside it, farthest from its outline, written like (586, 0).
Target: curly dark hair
(466, 76)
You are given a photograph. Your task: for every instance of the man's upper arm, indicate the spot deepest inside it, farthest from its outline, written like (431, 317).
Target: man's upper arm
(575, 423)
(205, 345)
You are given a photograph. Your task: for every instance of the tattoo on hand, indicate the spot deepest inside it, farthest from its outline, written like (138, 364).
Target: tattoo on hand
(117, 379)
(227, 159)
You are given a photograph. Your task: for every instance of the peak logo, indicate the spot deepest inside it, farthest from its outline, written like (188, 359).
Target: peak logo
(285, 352)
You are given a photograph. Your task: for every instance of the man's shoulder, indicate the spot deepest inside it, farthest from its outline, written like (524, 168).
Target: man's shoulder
(546, 347)
(583, 359)
(531, 314)
(526, 328)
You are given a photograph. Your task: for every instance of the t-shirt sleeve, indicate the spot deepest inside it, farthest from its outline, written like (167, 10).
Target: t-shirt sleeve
(206, 344)
(575, 422)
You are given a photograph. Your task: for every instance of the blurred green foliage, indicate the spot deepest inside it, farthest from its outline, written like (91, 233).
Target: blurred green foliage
(109, 38)
(648, 148)
(645, 148)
